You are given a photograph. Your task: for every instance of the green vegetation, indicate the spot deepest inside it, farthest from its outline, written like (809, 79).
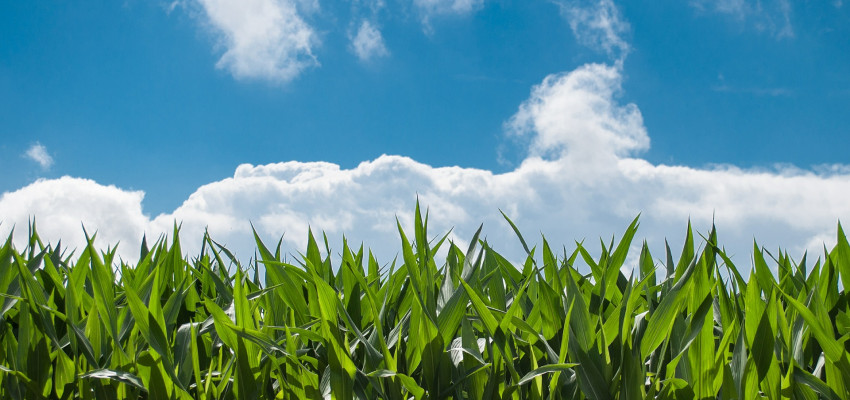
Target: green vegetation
(471, 326)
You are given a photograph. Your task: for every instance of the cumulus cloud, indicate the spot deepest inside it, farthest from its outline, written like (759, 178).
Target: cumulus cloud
(39, 154)
(582, 178)
(368, 43)
(574, 117)
(598, 25)
(262, 39)
(62, 206)
(773, 16)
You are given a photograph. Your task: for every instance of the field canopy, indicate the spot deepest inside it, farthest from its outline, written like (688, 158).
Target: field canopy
(470, 324)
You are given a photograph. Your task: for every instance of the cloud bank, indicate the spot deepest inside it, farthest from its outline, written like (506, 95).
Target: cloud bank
(582, 178)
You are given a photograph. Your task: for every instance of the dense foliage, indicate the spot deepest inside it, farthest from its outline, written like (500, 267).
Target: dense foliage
(472, 326)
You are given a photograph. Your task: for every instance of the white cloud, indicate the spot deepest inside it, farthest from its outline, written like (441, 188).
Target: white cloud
(581, 179)
(262, 39)
(772, 16)
(62, 205)
(368, 43)
(598, 25)
(574, 116)
(39, 154)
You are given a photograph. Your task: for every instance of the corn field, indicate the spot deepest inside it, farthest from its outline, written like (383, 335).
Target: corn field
(562, 325)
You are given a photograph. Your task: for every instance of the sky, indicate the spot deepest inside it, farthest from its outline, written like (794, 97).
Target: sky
(572, 117)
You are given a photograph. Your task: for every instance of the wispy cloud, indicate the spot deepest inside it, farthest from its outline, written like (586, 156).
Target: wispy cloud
(429, 9)
(262, 39)
(39, 154)
(725, 87)
(170, 7)
(598, 25)
(773, 92)
(437, 7)
(368, 43)
(373, 6)
(771, 16)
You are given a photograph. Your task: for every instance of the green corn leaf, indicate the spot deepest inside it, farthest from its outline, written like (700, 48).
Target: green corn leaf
(408, 382)
(842, 250)
(151, 330)
(115, 375)
(832, 348)
(661, 321)
(817, 385)
(547, 369)
(516, 231)
(64, 374)
(487, 318)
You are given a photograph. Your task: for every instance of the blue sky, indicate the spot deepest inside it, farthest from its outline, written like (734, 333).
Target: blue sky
(164, 98)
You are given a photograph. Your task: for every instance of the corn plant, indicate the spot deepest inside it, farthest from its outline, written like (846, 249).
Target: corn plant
(562, 325)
